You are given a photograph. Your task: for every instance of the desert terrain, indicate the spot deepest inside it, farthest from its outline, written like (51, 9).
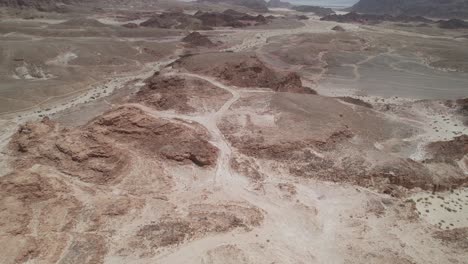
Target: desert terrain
(211, 132)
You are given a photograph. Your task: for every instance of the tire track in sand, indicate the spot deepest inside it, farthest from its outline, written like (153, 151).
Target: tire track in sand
(209, 121)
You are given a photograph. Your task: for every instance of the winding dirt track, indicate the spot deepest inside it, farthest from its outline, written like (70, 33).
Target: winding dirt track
(209, 121)
(231, 185)
(224, 178)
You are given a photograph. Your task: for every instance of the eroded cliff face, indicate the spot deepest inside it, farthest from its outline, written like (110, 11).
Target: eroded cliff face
(431, 8)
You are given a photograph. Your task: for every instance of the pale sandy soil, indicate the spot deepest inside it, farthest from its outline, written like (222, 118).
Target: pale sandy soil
(303, 224)
(446, 210)
(255, 39)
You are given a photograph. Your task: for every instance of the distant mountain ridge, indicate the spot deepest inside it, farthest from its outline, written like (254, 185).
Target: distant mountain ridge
(36, 4)
(57, 5)
(61, 5)
(428, 8)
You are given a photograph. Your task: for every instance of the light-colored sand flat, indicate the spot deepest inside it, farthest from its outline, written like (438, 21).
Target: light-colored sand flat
(445, 210)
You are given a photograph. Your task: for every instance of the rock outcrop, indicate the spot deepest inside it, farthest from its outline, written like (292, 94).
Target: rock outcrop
(204, 20)
(195, 39)
(170, 140)
(449, 151)
(453, 24)
(182, 95)
(243, 70)
(175, 20)
(201, 220)
(90, 153)
(229, 18)
(75, 152)
(338, 28)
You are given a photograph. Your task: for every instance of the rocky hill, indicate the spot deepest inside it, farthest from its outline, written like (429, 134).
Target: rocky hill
(453, 24)
(196, 39)
(430, 8)
(204, 20)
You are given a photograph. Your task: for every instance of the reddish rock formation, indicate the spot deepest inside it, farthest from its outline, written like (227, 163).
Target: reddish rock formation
(196, 39)
(230, 18)
(183, 95)
(73, 151)
(243, 70)
(338, 28)
(175, 20)
(449, 151)
(171, 140)
(95, 153)
(203, 20)
(252, 72)
(201, 220)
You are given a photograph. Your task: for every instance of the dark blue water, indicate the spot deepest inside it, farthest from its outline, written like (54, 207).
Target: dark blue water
(325, 3)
